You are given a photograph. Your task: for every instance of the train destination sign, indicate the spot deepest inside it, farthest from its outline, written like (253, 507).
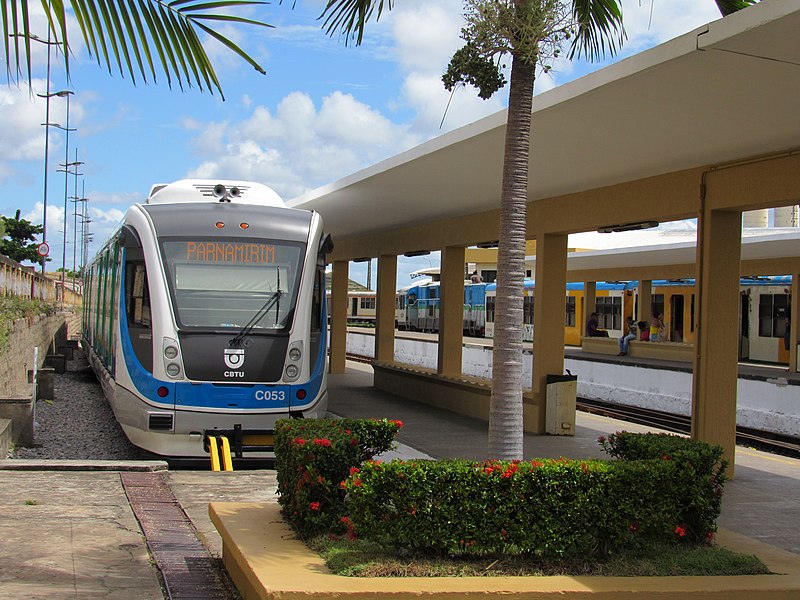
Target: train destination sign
(230, 252)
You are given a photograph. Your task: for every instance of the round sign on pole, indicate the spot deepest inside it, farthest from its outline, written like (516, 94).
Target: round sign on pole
(43, 249)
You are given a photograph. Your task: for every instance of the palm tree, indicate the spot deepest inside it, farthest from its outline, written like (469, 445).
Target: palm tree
(531, 31)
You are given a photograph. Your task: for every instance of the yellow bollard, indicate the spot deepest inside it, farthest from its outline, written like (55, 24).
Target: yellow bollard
(227, 461)
(213, 452)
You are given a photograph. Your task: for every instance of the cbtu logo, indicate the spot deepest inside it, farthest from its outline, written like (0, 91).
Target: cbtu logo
(234, 358)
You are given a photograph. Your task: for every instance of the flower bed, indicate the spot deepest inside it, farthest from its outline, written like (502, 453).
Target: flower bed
(659, 488)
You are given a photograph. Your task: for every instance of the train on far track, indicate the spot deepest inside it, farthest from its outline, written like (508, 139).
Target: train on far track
(204, 315)
(765, 303)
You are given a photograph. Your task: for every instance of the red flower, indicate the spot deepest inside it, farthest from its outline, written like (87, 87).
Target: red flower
(666, 457)
(357, 482)
(397, 422)
(322, 442)
(633, 528)
(354, 470)
(585, 468)
(680, 531)
(601, 439)
(536, 464)
(313, 505)
(709, 536)
(298, 441)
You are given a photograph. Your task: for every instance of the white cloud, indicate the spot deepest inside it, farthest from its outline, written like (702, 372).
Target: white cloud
(300, 146)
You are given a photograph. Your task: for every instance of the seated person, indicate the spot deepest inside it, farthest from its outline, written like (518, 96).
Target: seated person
(644, 331)
(592, 327)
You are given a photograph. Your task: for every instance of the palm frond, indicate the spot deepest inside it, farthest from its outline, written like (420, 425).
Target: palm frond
(350, 17)
(728, 7)
(127, 35)
(600, 28)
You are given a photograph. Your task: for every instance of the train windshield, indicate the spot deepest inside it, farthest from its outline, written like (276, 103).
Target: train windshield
(233, 284)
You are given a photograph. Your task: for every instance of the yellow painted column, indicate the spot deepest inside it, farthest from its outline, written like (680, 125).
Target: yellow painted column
(794, 331)
(717, 333)
(589, 303)
(451, 311)
(384, 317)
(548, 323)
(644, 310)
(340, 274)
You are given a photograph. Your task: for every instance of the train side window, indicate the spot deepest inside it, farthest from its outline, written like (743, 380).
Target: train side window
(569, 320)
(772, 311)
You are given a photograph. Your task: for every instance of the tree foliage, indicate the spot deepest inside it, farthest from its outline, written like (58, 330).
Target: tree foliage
(19, 240)
(138, 37)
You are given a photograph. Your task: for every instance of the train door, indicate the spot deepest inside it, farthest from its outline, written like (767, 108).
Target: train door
(354, 308)
(137, 307)
(744, 326)
(676, 318)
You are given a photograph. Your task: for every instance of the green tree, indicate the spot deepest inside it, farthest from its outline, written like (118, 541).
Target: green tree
(19, 239)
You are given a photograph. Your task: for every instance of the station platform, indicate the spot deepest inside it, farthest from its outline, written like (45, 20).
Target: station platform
(68, 529)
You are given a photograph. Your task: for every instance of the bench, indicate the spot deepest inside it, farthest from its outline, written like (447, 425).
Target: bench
(674, 351)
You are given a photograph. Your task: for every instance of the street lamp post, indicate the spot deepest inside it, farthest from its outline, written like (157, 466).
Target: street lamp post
(67, 173)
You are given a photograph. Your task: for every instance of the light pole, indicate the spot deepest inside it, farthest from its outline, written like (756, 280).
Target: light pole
(74, 200)
(67, 173)
(47, 124)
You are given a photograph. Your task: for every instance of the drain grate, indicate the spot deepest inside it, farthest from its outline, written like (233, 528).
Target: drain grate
(189, 571)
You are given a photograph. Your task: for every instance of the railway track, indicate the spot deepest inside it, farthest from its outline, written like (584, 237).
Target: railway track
(762, 440)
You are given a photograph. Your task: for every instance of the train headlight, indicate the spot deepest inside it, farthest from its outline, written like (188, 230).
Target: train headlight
(292, 372)
(170, 352)
(295, 354)
(173, 369)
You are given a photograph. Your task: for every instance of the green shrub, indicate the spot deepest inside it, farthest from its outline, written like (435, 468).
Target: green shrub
(313, 457)
(697, 484)
(544, 508)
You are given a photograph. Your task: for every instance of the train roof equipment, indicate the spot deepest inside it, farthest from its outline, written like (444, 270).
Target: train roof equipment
(200, 190)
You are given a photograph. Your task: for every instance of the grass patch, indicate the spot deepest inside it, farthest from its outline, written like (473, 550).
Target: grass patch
(359, 558)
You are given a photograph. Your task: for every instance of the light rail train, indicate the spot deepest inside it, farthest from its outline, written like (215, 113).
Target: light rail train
(204, 315)
(764, 305)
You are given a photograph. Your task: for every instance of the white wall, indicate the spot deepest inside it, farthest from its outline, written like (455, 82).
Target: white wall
(770, 405)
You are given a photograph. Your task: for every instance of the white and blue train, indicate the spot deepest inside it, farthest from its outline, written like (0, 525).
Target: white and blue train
(204, 314)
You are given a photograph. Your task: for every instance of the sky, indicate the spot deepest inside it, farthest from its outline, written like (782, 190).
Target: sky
(323, 111)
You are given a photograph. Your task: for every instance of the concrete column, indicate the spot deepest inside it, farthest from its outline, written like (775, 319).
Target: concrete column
(385, 304)
(717, 335)
(644, 310)
(341, 270)
(589, 303)
(548, 322)
(451, 311)
(794, 332)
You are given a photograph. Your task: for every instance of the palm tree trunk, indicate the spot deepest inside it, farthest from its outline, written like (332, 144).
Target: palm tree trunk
(505, 408)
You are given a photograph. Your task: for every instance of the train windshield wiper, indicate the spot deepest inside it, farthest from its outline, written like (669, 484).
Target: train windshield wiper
(259, 314)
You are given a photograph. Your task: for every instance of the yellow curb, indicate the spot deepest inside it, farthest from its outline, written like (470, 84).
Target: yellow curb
(266, 560)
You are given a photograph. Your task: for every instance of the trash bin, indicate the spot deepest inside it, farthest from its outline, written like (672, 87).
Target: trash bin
(560, 410)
